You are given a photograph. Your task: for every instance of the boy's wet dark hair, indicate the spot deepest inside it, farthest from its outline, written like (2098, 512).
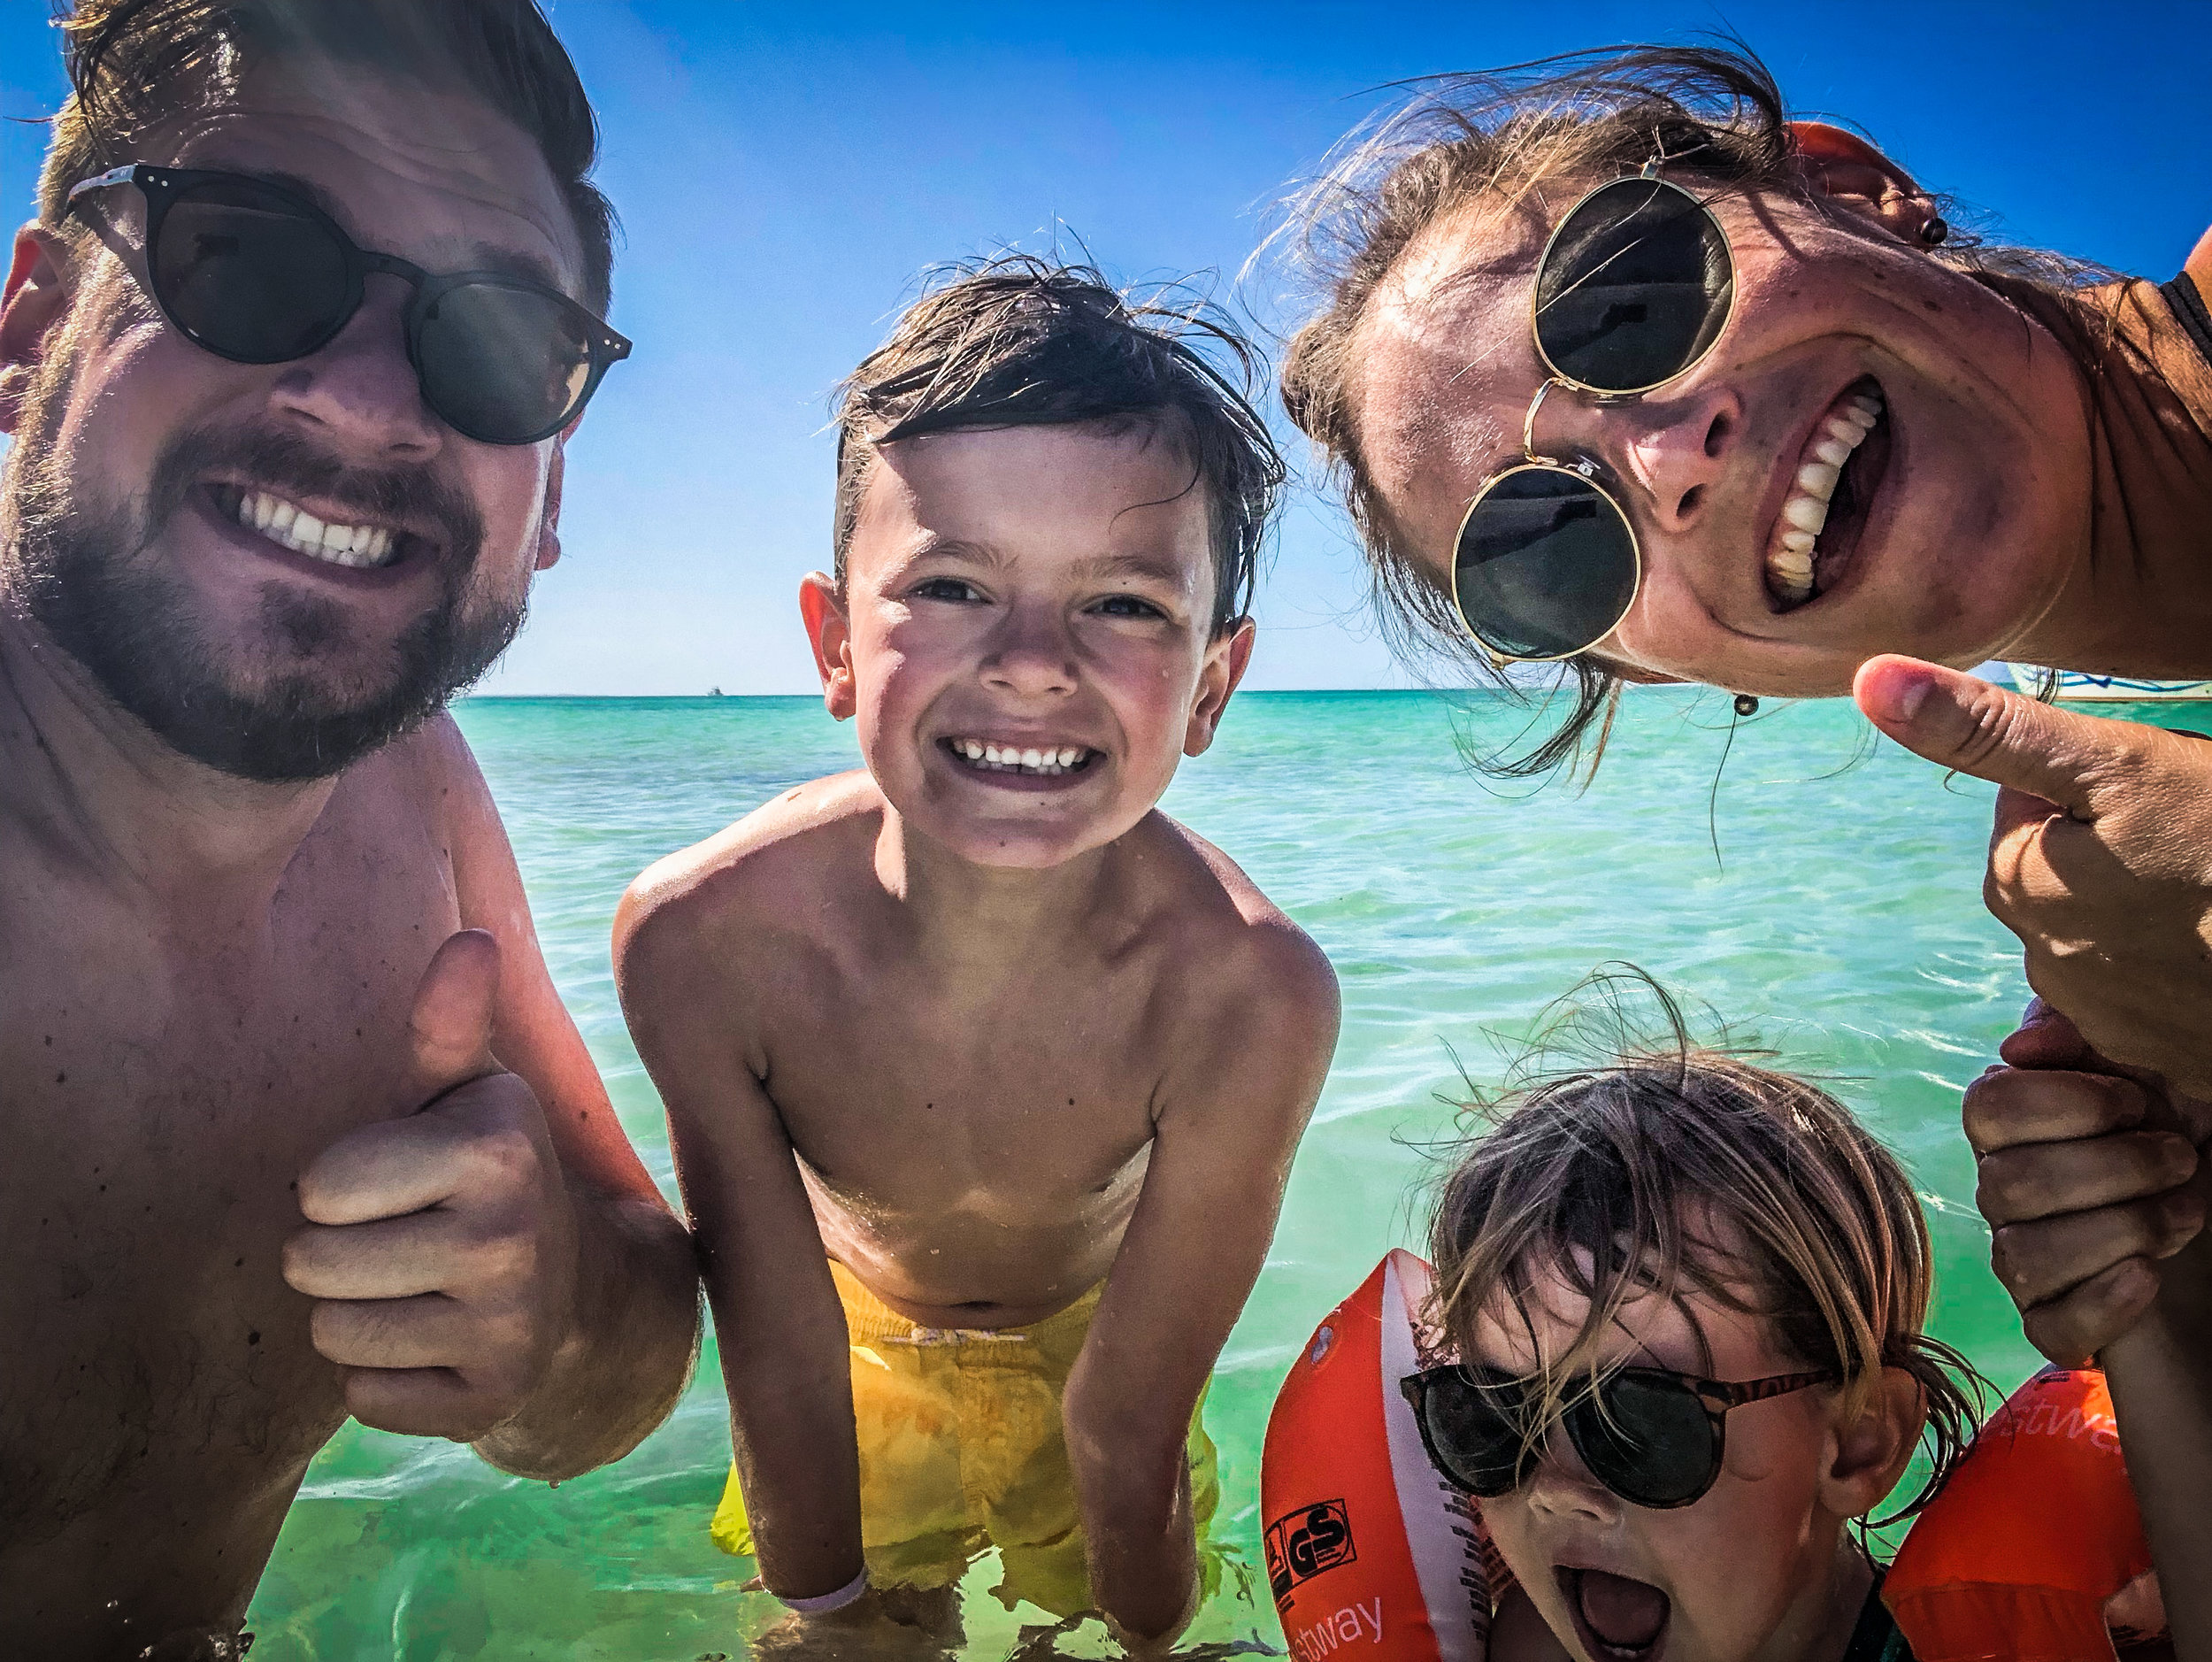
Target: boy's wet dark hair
(1615, 1177)
(1019, 341)
(1540, 132)
(136, 63)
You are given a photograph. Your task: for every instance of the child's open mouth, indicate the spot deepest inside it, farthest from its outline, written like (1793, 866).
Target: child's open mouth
(1036, 761)
(1832, 486)
(1618, 1619)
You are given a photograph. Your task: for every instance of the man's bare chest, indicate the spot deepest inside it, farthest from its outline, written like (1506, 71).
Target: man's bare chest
(159, 1097)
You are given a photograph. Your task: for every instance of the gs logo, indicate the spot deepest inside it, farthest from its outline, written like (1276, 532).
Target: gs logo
(1303, 1543)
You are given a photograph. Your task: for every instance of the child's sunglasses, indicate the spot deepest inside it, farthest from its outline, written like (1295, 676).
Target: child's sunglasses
(1653, 1437)
(259, 275)
(1634, 289)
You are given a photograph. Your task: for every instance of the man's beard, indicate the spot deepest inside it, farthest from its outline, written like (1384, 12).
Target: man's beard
(85, 572)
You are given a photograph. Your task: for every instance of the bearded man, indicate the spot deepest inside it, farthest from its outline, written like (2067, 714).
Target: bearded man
(296, 1124)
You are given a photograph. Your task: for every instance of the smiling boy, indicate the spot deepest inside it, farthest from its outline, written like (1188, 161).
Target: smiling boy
(983, 1075)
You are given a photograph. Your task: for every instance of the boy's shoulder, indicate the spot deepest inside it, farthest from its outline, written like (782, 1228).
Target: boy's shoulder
(1236, 953)
(776, 864)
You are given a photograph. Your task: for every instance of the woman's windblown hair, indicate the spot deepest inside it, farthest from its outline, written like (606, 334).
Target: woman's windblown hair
(1660, 1167)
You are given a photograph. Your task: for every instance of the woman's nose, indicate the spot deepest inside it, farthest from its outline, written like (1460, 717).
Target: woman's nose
(1677, 449)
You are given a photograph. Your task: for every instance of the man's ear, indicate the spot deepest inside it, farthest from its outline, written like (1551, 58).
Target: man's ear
(1853, 174)
(1869, 1450)
(1227, 659)
(831, 633)
(549, 522)
(36, 300)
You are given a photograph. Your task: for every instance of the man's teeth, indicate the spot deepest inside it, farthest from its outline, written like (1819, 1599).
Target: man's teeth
(287, 524)
(1012, 759)
(1805, 513)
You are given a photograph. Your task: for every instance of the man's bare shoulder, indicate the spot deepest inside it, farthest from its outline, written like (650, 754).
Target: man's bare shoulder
(1245, 974)
(769, 872)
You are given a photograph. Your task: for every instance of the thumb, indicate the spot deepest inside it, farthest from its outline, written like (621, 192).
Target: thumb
(449, 1030)
(1962, 722)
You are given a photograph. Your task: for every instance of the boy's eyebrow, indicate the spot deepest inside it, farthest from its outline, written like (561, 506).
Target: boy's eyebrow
(1164, 568)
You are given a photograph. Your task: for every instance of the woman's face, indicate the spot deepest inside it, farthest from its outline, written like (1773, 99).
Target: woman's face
(1956, 524)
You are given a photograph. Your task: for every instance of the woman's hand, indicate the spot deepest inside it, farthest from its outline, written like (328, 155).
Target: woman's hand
(2101, 861)
(2090, 1179)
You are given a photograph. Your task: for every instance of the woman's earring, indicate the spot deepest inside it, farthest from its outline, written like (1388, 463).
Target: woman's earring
(1934, 231)
(1745, 705)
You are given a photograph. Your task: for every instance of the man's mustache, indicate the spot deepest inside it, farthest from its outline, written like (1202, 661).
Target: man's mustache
(285, 464)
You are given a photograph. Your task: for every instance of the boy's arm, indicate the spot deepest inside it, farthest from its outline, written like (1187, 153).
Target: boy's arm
(1234, 1102)
(776, 1318)
(2092, 1182)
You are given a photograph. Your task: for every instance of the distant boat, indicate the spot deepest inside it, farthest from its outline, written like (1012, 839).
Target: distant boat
(2076, 688)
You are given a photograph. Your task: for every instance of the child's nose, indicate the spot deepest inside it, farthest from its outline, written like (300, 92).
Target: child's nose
(1031, 653)
(1562, 1486)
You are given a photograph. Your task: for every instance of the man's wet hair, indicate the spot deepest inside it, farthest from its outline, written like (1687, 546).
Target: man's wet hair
(1021, 341)
(1533, 134)
(137, 65)
(1625, 1159)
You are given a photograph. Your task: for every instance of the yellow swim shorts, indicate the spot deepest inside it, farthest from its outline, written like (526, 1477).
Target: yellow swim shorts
(961, 1450)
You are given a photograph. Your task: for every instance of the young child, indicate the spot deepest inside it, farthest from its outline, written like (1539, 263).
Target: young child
(983, 1075)
(1689, 1293)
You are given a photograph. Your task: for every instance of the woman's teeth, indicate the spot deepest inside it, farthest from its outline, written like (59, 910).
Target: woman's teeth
(1805, 513)
(288, 526)
(1008, 759)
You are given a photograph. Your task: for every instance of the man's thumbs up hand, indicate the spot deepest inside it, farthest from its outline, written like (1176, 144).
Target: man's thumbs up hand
(439, 1245)
(2101, 861)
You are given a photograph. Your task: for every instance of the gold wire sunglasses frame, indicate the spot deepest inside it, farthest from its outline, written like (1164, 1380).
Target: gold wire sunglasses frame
(1586, 497)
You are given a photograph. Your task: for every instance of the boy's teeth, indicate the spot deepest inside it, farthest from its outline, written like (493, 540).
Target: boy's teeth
(290, 526)
(1789, 561)
(1058, 759)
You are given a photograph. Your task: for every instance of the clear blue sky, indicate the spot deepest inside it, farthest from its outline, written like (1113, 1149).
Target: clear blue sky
(785, 171)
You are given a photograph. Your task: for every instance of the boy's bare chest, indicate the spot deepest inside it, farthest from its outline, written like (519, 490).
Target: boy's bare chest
(1025, 1107)
(160, 1093)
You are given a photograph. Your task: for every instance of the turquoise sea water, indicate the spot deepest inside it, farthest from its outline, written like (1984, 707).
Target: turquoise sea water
(1842, 925)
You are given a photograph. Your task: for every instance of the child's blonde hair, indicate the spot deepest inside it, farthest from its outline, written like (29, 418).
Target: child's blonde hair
(1610, 1178)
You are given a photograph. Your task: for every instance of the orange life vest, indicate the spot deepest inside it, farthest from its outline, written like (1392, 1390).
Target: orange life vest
(2034, 1532)
(1370, 1551)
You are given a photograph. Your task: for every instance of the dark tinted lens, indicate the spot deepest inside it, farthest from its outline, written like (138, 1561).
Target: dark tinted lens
(1476, 1442)
(242, 272)
(1634, 289)
(1546, 564)
(507, 365)
(1653, 1444)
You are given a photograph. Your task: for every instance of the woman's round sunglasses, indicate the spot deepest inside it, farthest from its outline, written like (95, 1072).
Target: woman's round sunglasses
(259, 275)
(1634, 289)
(1653, 1437)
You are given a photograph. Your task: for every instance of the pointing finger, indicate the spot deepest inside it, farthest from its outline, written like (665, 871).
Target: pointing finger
(1961, 721)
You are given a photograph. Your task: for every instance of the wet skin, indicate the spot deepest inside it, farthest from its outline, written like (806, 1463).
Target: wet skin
(1758, 1569)
(988, 1039)
(206, 983)
(1975, 544)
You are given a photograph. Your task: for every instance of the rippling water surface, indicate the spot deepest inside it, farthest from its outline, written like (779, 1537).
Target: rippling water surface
(1841, 923)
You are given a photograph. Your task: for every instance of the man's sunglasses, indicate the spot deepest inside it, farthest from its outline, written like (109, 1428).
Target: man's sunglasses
(1653, 1437)
(1633, 291)
(259, 275)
